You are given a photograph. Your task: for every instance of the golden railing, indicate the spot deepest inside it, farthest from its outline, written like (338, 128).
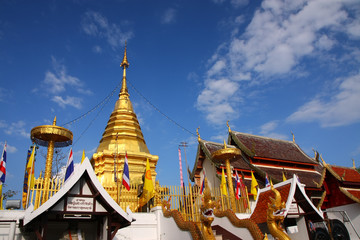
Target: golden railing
(186, 200)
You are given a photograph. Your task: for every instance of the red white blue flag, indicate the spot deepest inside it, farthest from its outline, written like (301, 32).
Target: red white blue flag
(238, 185)
(69, 165)
(267, 183)
(3, 165)
(126, 178)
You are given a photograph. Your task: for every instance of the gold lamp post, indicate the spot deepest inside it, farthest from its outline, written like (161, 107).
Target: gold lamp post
(225, 156)
(50, 136)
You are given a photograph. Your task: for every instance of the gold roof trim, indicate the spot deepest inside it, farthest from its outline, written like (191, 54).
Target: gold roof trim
(349, 195)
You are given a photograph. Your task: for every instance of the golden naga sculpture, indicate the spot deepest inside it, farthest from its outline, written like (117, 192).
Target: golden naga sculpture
(207, 216)
(241, 223)
(180, 222)
(275, 216)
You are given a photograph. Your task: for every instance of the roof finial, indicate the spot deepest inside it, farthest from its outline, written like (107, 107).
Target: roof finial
(124, 64)
(354, 164)
(293, 135)
(54, 122)
(227, 124)
(225, 147)
(198, 134)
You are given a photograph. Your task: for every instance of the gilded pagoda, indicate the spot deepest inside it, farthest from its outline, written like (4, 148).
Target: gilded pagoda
(122, 136)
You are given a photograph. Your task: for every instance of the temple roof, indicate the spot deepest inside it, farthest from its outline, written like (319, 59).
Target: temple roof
(103, 200)
(344, 174)
(264, 147)
(291, 191)
(206, 148)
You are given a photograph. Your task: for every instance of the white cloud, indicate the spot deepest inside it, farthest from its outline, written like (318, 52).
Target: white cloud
(97, 49)
(10, 149)
(71, 101)
(268, 128)
(15, 128)
(234, 3)
(94, 24)
(214, 100)
(168, 16)
(335, 108)
(58, 81)
(281, 36)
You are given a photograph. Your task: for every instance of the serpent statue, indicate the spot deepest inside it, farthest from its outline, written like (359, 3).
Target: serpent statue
(241, 223)
(275, 216)
(207, 216)
(180, 222)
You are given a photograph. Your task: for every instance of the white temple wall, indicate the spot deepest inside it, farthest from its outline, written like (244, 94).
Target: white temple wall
(151, 226)
(9, 224)
(224, 222)
(353, 211)
(213, 181)
(300, 231)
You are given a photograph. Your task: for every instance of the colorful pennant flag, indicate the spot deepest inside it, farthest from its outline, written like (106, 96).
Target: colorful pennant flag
(26, 181)
(126, 178)
(223, 183)
(30, 169)
(3, 165)
(254, 186)
(180, 168)
(238, 186)
(69, 165)
(267, 183)
(83, 156)
(148, 190)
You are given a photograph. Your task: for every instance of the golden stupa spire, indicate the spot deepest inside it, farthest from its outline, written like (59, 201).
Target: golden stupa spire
(122, 136)
(124, 64)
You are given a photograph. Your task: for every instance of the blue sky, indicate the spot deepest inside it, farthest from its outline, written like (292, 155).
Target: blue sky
(271, 67)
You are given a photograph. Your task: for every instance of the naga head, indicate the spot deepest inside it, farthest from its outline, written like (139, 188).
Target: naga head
(207, 207)
(275, 205)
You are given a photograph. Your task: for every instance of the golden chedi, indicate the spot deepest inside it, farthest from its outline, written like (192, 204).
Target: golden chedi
(122, 136)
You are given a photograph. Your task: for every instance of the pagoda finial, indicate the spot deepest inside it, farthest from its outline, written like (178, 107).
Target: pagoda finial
(124, 64)
(225, 147)
(293, 135)
(198, 134)
(354, 163)
(54, 122)
(227, 124)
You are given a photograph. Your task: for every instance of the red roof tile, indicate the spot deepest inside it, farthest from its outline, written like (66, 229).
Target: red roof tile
(347, 174)
(260, 212)
(272, 148)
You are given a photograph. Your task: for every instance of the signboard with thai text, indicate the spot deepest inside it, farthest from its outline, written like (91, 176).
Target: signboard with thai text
(80, 204)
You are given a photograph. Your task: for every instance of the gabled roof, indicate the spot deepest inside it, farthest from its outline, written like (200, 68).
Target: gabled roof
(264, 147)
(85, 170)
(205, 149)
(289, 190)
(344, 174)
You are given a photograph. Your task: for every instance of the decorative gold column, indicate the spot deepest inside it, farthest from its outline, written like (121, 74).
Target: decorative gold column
(50, 136)
(225, 156)
(48, 170)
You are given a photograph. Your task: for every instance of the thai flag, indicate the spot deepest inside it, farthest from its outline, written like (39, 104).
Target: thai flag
(126, 178)
(3, 165)
(69, 165)
(267, 183)
(238, 184)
